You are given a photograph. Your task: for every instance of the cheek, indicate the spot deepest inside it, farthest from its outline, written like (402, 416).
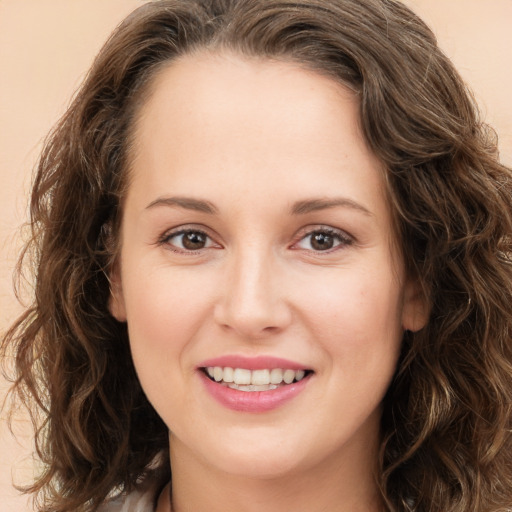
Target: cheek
(165, 309)
(356, 316)
(353, 297)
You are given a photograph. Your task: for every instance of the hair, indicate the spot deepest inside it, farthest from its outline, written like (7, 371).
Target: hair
(446, 427)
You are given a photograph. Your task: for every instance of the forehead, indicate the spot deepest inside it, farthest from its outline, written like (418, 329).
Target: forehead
(232, 92)
(229, 106)
(250, 126)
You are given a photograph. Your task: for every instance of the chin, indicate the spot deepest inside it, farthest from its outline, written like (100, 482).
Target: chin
(261, 466)
(263, 456)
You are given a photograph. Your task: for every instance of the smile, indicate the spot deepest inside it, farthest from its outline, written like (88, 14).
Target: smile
(243, 379)
(254, 385)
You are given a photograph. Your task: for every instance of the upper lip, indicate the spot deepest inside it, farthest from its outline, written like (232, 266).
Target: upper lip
(252, 363)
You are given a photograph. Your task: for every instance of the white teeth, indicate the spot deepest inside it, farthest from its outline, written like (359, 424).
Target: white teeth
(241, 376)
(228, 375)
(260, 377)
(218, 373)
(252, 387)
(276, 376)
(288, 376)
(255, 380)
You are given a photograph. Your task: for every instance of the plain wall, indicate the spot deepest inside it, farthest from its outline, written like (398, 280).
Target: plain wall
(46, 46)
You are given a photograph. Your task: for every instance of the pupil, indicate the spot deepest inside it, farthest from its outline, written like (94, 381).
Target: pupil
(194, 240)
(322, 241)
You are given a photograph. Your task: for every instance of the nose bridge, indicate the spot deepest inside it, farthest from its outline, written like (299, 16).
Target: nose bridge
(253, 302)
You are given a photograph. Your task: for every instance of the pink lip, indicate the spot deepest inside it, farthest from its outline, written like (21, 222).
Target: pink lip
(252, 363)
(252, 401)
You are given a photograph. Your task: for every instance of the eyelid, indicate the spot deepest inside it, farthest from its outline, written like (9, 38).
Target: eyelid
(346, 238)
(164, 238)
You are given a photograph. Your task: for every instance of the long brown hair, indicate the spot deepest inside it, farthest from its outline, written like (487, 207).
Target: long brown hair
(446, 427)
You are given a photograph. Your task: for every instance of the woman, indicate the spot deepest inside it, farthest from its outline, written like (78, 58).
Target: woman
(272, 245)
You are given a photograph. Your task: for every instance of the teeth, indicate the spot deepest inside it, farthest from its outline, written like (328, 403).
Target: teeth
(276, 376)
(260, 377)
(299, 375)
(288, 376)
(252, 387)
(228, 375)
(255, 380)
(241, 376)
(218, 373)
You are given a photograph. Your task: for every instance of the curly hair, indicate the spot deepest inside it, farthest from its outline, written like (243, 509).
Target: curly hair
(446, 427)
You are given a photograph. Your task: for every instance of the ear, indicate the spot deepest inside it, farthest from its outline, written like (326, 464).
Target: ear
(416, 310)
(116, 303)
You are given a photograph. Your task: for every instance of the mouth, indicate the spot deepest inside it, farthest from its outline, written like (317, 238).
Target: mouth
(243, 379)
(254, 384)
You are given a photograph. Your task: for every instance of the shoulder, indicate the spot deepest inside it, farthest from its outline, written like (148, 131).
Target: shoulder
(140, 500)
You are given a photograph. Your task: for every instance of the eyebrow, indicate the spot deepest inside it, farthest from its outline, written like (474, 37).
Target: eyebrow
(298, 208)
(313, 205)
(187, 203)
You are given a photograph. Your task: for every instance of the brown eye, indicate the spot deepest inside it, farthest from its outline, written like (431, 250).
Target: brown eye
(189, 240)
(194, 240)
(324, 240)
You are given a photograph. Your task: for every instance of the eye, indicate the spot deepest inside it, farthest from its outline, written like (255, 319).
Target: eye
(324, 239)
(188, 240)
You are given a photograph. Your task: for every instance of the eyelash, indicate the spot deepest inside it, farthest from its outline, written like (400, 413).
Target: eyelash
(341, 237)
(166, 238)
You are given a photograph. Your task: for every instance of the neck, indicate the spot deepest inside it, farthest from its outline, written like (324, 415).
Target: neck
(327, 486)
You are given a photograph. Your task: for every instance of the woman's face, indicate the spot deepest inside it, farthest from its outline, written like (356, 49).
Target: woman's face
(257, 236)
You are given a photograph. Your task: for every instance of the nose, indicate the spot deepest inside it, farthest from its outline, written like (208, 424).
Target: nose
(253, 300)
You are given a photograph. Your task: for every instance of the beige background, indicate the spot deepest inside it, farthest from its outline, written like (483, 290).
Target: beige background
(46, 46)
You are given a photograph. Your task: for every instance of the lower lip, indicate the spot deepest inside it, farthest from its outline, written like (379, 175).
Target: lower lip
(253, 401)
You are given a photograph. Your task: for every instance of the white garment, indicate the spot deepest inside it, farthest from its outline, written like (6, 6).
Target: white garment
(137, 501)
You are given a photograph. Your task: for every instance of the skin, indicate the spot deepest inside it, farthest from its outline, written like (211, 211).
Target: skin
(253, 138)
